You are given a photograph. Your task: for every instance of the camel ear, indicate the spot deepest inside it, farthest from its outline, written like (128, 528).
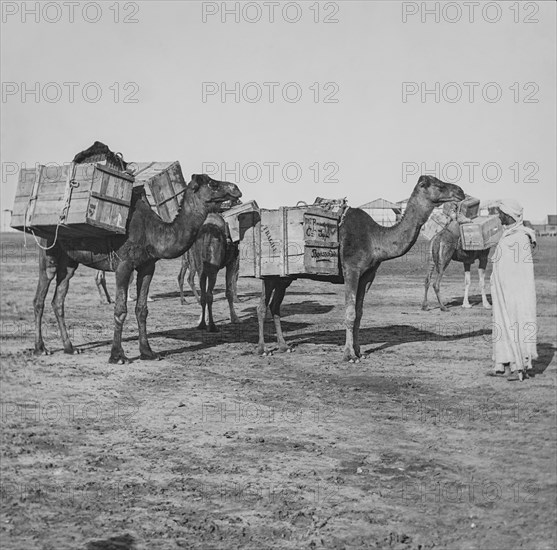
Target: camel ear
(195, 182)
(424, 181)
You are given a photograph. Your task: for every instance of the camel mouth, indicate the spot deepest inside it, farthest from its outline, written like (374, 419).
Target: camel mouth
(455, 195)
(227, 197)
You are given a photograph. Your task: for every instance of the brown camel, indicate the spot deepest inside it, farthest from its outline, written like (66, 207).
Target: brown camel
(212, 251)
(147, 240)
(447, 246)
(364, 244)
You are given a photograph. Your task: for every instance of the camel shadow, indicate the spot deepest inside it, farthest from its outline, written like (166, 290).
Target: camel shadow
(289, 293)
(393, 335)
(546, 351)
(306, 307)
(245, 332)
(474, 299)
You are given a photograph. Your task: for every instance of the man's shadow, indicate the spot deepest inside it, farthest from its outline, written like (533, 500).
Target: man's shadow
(546, 351)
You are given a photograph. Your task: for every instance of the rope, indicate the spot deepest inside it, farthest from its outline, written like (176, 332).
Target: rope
(70, 186)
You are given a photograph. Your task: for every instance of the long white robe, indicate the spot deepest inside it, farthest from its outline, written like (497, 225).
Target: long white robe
(513, 294)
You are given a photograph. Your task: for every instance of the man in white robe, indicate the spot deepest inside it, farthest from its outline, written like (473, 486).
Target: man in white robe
(513, 294)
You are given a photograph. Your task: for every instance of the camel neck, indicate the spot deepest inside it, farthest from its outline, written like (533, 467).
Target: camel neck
(397, 240)
(170, 240)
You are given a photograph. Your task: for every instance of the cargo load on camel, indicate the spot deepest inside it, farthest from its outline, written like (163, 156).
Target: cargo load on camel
(88, 197)
(91, 196)
(293, 241)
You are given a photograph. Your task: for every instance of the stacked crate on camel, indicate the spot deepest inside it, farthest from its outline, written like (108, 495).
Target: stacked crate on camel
(300, 241)
(164, 186)
(72, 201)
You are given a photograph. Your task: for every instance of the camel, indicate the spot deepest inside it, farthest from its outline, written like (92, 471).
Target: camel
(147, 240)
(232, 250)
(447, 246)
(212, 251)
(364, 245)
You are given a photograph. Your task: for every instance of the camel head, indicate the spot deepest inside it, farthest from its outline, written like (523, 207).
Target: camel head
(213, 192)
(431, 191)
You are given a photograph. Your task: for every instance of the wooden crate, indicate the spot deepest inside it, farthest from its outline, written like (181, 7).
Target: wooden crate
(484, 232)
(164, 185)
(291, 241)
(73, 200)
(232, 218)
(437, 221)
(469, 207)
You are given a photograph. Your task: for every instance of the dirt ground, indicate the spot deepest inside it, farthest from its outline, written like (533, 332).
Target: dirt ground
(416, 447)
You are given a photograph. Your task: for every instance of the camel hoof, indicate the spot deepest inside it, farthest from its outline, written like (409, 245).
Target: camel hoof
(466, 306)
(425, 308)
(356, 360)
(213, 328)
(235, 321)
(285, 349)
(42, 351)
(487, 306)
(118, 359)
(201, 326)
(444, 308)
(73, 351)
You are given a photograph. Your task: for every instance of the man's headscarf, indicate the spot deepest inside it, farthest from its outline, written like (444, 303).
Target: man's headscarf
(515, 210)
(512, 208)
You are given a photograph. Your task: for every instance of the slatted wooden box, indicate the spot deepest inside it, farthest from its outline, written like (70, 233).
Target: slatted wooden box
(164, 185)
(437, 221)
(72, 201)
(469, 207)
(484, 232)
(291, 241)
(241, 217)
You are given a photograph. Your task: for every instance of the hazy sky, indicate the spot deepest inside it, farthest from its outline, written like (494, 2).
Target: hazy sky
(348, 101)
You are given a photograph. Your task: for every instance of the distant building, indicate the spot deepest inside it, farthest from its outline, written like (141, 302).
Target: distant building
(403, 204)
(6, 219)
(384, 212)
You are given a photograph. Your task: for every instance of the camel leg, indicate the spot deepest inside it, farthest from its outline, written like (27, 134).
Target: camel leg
(130, 299)
(465, 302)
(181, 277)
(351, 280)
(203, 301)
(211, 281)
(100, 281)
(267, 287)
(65, 272)
(426, 285)
(191, 282)
(274, 306)
(47, 272)
(231, 280)
(437, 288)
(123, 275)
(363, 286)
(235, 268)
(144, 277)
(485, 301)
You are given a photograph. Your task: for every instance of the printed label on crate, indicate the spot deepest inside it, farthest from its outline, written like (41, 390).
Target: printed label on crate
(318, 228)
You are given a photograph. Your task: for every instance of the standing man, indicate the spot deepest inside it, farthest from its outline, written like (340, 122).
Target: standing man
(513, 293)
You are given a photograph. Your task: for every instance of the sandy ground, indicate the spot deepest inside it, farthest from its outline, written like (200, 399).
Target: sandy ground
(214, 447)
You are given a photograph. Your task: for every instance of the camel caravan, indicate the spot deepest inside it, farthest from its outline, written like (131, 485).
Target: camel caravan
(118, 216)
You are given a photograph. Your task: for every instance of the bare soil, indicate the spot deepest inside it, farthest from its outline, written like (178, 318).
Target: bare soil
(416, 447)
